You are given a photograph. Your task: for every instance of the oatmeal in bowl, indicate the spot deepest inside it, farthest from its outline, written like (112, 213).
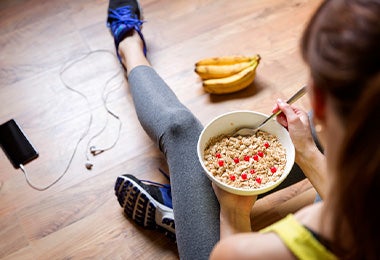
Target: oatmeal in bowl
(245, 165)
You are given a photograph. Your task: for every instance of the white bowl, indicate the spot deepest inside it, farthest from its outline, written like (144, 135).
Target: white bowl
(226, 124)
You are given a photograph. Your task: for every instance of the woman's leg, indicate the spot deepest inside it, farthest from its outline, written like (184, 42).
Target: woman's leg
(176, 130)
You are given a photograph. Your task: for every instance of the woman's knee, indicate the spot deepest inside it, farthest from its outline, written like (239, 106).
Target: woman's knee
(183, 122)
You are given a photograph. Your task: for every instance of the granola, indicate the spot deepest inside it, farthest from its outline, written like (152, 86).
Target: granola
(247, 162)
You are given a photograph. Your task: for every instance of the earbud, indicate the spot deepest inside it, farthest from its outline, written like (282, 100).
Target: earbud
(95, 151)
(89, 165)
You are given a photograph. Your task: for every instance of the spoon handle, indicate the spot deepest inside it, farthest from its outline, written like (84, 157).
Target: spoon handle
(291, 100)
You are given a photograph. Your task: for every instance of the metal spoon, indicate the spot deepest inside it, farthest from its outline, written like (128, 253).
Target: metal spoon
(251, 131)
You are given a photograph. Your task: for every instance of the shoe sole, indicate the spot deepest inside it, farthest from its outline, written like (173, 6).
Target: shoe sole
(143, 208)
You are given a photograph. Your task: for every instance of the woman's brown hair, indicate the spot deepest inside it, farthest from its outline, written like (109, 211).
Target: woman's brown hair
(341, 45)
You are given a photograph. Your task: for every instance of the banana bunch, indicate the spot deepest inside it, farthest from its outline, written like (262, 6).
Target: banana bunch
(222, 75)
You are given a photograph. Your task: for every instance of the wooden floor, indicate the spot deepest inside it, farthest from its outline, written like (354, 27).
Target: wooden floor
(79, 216)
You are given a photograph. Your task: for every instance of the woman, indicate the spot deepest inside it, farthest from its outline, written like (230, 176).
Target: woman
(340, 46)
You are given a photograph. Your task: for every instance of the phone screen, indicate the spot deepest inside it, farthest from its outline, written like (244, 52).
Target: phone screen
(15, 144)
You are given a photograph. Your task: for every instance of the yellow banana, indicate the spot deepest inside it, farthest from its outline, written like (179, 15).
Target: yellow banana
(232, 83)
(220, 71)
(225, 60)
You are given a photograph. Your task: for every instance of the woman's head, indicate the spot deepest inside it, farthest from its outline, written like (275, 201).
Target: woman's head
(341, 47)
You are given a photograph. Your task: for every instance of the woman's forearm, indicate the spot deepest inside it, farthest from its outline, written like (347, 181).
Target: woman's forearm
(233, 223)
(313, 164)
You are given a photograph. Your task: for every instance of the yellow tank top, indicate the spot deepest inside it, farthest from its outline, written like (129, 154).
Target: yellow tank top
(298, 239)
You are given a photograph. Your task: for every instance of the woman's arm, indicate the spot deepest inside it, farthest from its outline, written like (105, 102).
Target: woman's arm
(251, 246)
(313, 164)
(308, 157)
(235, 212)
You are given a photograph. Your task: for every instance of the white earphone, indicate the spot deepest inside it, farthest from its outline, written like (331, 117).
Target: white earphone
(94, 151)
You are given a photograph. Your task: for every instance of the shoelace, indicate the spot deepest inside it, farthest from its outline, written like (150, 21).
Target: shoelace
(164, 173)
(166, 186)
(123, 18)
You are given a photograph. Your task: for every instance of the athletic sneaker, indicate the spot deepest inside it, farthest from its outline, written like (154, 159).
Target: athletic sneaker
(148, 203)
(123, 17)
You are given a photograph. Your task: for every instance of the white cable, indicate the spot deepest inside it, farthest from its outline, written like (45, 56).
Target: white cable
(64, 68)
(110, 112)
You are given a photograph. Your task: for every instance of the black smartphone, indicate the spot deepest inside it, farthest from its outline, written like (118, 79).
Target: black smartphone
(15, 144)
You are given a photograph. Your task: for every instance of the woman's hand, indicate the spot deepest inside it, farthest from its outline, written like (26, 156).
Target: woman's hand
(235, 212)
(232, 202)
(298, 125)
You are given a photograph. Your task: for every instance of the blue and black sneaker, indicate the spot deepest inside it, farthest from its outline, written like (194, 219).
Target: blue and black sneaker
(123, 17)
(148, 203)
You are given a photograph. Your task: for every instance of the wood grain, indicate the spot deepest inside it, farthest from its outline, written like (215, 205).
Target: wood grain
(79, 217)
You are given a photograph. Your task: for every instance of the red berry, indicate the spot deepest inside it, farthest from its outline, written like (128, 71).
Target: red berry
(252, 171)
(255, 157)
(266, 145)
(244, 176)
(232, 177)
(218, 155)
(273, 169)
(221, 162)
(246, 158)
(236, 160)
(258, 180)
(260, 153)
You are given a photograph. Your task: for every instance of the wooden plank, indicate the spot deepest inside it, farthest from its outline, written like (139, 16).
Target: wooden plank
(79, 217)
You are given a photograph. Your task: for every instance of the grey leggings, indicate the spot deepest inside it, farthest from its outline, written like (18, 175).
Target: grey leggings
(175, 129)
